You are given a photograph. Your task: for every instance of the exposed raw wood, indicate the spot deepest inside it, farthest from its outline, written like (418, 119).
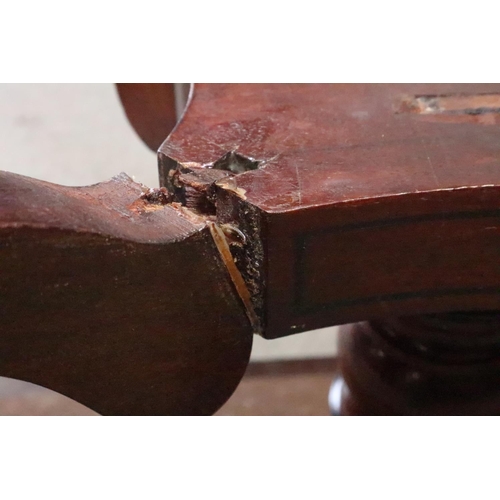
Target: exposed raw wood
(113, 298)
(351, 210)
(283, 208)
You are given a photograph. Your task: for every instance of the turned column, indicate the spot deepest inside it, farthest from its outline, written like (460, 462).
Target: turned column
(440, 364)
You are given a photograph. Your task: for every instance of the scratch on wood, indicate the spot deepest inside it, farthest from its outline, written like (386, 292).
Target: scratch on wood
(468, 104)
(434, 176)
(299, 186)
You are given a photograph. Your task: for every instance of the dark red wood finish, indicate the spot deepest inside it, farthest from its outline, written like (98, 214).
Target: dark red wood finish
(150, 109)
(443, 364)
(338, 203)
(116, 299)
(367, 201)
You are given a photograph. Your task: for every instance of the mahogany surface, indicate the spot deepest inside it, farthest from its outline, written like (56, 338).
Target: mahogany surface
(115, 299)
(284, 208)
(443, 364)
(150, 109)
(365, 203)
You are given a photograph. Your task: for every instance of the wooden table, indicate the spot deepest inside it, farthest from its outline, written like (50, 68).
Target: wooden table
(284, 208)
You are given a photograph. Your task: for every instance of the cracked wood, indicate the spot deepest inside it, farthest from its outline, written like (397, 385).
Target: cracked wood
(115, 299)
(356, 210)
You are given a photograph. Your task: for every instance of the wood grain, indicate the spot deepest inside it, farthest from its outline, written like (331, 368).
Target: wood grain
(116, 299)
(358, 207)
(338, 203)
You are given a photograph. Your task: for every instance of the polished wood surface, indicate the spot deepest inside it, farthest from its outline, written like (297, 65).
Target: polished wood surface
(116, 299)
(150, 109)
(443, 364)
(356, 202)
(283, 208)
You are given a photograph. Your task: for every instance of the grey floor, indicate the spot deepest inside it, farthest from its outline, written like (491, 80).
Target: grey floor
(77, 134)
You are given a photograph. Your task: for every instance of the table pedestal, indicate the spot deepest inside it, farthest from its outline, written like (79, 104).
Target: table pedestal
(443, 364)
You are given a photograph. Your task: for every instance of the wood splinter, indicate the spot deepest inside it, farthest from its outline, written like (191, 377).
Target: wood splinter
(238, 281)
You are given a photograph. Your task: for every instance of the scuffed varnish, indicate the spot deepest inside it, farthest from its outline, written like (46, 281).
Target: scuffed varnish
(241, 288)
(483, 109)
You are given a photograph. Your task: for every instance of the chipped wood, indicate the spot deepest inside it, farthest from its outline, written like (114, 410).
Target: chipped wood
(127, 311)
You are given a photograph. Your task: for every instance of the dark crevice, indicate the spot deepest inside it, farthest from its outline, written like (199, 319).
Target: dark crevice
(236, 163)
(194, 187)
(210, 193)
